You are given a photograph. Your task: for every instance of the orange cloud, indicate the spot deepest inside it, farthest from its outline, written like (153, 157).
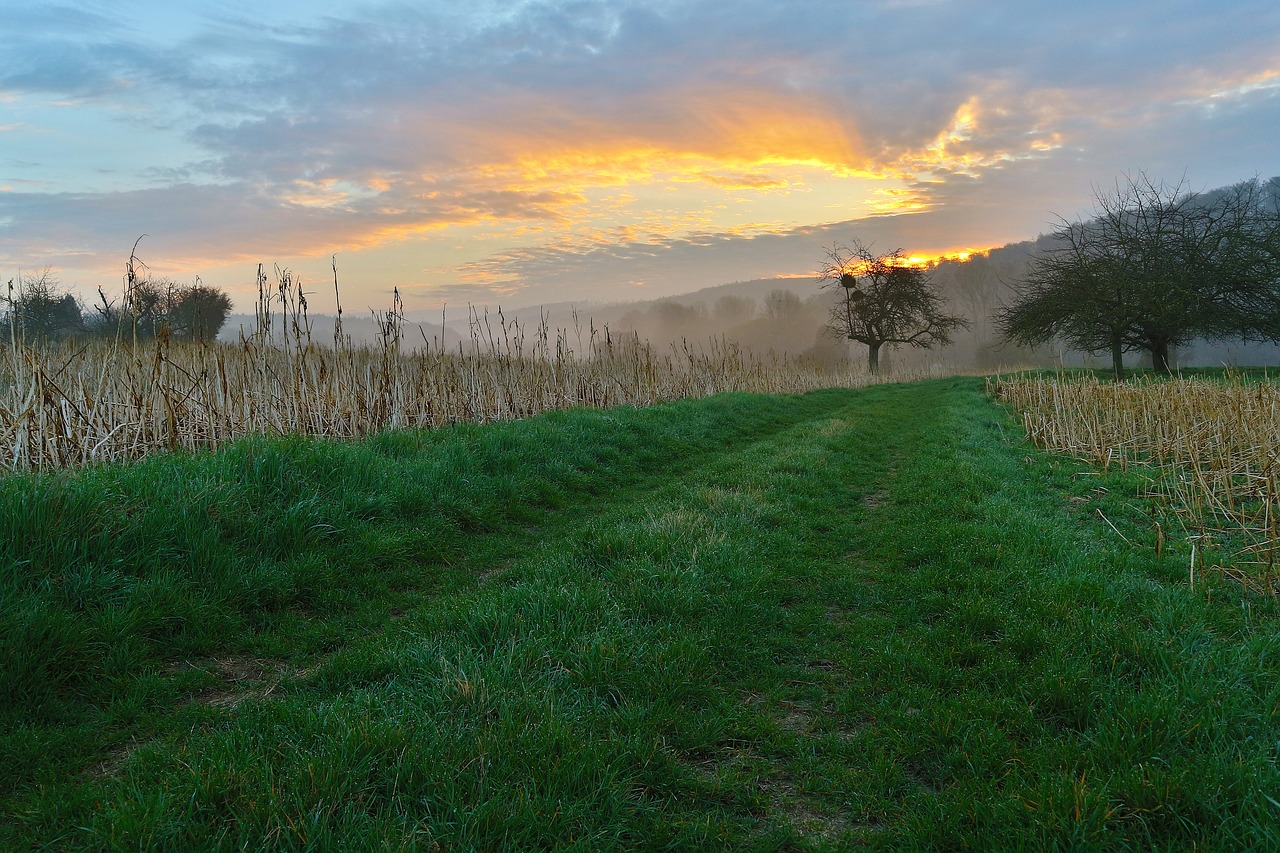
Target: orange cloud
(976, 138)
(583, 173)
(723, 138)
(738, 180)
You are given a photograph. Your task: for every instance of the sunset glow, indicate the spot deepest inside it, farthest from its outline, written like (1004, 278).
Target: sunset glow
(539, 152)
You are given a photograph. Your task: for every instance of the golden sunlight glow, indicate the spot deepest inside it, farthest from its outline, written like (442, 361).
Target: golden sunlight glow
(931, 259)
(713, 137)
(891, 201)
(583, 168)
(948, 148)
(331, 192)
(722, 167)
(956, 149)
(1052, 142)
(964, 254)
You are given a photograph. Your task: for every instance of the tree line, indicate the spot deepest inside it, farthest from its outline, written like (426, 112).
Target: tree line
(36, 308)
(1154, 268)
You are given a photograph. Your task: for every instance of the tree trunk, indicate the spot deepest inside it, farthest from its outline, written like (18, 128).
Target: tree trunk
(1160, 357)
(873, 357)
(1117, 359)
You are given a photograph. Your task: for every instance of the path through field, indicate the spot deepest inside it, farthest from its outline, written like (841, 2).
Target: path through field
(851, 617)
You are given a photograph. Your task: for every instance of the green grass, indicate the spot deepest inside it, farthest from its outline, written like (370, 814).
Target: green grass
(779, 623)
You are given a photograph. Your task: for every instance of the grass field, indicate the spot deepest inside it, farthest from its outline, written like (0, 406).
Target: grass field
(873, 616)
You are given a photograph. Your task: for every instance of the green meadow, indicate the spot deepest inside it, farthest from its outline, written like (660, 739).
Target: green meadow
(848, 618)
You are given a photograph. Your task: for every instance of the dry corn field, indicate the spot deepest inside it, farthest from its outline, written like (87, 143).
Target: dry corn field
(82, 403)
(1212, 448)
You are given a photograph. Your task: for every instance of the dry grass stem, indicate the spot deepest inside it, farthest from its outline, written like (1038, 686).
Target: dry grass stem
(1211, 445)
(80, 403)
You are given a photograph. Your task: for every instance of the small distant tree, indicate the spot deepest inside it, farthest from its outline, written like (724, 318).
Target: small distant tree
(160, 306)
(39, 309)
(882, 299)
(198, 312)
(147, 304)
(670, 320)
(733, 309)
(781, 306)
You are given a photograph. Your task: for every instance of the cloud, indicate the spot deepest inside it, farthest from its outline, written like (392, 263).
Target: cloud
(654, 265)
(236, 224)
(584, 128)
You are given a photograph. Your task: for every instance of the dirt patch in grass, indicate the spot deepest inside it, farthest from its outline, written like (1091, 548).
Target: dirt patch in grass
(780, 792)
(875, 500)
(114, 760)
(239, 678)
(802, 812)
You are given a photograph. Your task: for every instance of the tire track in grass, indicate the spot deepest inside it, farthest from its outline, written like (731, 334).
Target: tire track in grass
(692, 511)
(705, 509)
(669, 537)
(830, 477)
(749, 757)
(746, 653)
(351, 667)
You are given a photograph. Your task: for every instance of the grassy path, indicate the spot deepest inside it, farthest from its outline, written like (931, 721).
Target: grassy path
(773, 623)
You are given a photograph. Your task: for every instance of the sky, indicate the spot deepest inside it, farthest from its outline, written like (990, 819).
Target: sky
(537, 151)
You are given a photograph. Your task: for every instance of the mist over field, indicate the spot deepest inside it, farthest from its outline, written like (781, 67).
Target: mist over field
(768, 316)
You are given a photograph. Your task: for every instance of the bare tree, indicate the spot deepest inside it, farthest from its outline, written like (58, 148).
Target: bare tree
(1076, 297)
(1157, 267)
(733, 309)
(781, 306)
(882, 299)
(163, 307)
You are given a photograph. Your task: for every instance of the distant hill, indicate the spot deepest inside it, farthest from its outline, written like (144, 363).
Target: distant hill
(783, 316)
(362, 330)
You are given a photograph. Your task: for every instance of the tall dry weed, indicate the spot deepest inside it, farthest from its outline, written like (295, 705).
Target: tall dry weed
(78, 403)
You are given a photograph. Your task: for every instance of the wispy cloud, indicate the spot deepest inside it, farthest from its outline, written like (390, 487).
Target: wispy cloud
(642, 138)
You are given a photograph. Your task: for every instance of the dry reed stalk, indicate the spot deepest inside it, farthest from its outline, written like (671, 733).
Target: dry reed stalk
(1213, 449)
(110, 400)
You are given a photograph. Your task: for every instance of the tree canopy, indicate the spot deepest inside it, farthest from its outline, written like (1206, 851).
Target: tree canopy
(1157, 267)
(39, 309)
(882, 299)
(159, 306)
